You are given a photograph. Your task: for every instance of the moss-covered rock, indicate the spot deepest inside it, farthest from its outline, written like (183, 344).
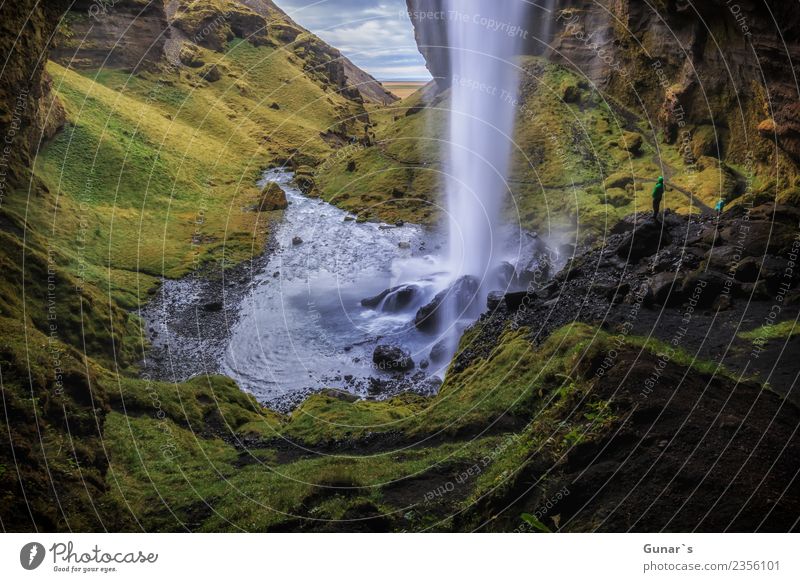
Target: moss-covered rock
(273, 197)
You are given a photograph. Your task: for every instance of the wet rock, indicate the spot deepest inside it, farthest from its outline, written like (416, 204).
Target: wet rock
(439, 351)
(424, 364)
(723, 258)
(213, 306)
(297, 240)
(460, 296)
(569, 272)
(427, 386)
(504, 274)
(401, 298)
(758, 237)
(747, 270)
(373, 302)
(768, 268)
(304, 178)
(614, 292)
(722, 303)
(273, 197)
(753, 291)
(392, 358)
(494, 299)
(404, 245)
(517, 299)
(393, 299)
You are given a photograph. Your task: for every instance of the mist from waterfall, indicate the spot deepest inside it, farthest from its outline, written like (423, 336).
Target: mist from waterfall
(484, 39)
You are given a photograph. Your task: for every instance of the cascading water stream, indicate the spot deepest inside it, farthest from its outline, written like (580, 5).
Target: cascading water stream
(484, 38)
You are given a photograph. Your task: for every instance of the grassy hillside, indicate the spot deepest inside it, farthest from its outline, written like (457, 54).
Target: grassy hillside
(580, 159)
(153, 174)
(164, 165)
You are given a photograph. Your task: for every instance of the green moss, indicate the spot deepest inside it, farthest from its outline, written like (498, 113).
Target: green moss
(777, 331)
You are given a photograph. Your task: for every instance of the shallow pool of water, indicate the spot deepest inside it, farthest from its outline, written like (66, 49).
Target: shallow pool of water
(303, 327)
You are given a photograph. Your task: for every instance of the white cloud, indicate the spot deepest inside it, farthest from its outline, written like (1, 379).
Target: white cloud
(377, 36)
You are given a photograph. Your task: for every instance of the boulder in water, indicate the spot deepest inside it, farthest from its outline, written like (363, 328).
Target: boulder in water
(401, 298)
(439, 351)
(393, 299)
(504, 275)
(272, 198)
(392, 358)
(460, 296)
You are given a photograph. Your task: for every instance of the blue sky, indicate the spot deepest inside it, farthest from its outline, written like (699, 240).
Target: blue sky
(376, 35)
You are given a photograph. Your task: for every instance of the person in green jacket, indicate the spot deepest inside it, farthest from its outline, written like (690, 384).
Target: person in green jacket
(658, 194)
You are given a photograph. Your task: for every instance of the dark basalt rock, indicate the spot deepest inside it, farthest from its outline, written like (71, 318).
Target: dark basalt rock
(439, 351)
(516, 299)
(393, 299)
(705, 287)
(645, 240)
(494, 299)
(461, 296)
(401, 298)
(666, 289)
(392, 358)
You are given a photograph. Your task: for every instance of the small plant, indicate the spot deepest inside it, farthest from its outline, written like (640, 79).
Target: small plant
(535, 523)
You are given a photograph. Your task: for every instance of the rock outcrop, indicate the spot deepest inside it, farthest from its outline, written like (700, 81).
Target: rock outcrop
(25, 30)
(714, 68)
(135, 35)
(272, 198)
(126, 34)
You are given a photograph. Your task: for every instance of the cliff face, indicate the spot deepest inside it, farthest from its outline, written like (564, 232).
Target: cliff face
(688, 69)
(25, 31)
(136, 35)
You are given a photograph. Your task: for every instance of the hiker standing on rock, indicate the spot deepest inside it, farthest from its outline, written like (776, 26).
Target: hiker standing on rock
(658, 194)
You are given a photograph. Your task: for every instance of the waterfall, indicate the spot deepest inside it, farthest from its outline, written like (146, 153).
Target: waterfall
(484, 38)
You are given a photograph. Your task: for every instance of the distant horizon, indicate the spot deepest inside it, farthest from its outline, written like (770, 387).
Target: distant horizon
(377, 39)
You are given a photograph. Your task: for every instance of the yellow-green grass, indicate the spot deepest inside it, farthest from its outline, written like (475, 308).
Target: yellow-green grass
(398, 177)
(167, 475)
(772, 331)
(168, 470)
(162, 166)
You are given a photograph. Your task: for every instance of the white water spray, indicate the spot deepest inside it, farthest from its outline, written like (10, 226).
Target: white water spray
(484, 38)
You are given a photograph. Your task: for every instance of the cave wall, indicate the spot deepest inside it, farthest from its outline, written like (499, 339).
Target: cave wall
(26, 30)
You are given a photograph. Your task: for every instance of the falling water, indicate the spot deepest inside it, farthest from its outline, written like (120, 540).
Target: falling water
(484, 38)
